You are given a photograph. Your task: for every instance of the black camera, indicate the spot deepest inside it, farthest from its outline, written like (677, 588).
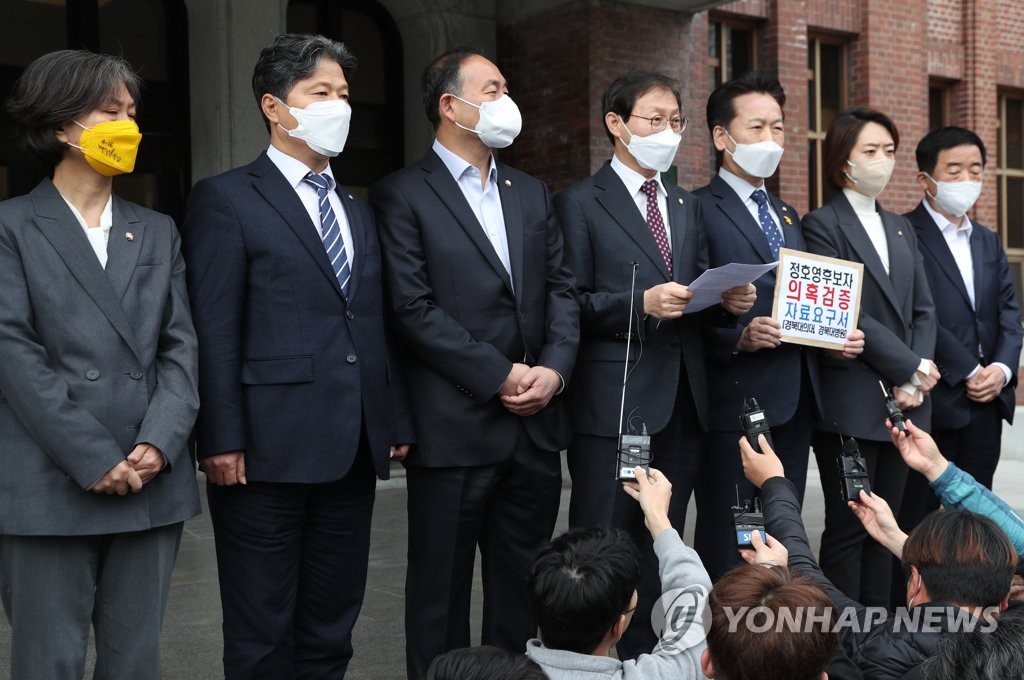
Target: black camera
(754, 422)
(893, 409)
(747, 518)
(853, 471)
(634, 451)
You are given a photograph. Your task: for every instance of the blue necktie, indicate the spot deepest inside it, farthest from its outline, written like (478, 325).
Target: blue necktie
(768, 226)
(334, 244)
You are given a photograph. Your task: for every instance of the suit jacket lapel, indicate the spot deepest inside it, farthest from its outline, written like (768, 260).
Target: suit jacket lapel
(901, 261)
(977, 262)
(122, 253)
(357, 228)
(865, 249)
(930, 238)
(443, 184)
(733, 207)
(272, 185)
(512, 209)
(614, 198)
(791, 235)
(678, 225)
(63, 231)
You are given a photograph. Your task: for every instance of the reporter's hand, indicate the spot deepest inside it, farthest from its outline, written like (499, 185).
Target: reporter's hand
(763, 332)
(771, 553)
(666, 300)
(224, 469)
(918, 450)
(119, 480)
(986, 384)
(760, 467)
(654, 492)
(876, 516)
(740, 299)
(853, 347)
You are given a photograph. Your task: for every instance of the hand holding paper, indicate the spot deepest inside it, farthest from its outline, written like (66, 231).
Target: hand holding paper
(709, 287)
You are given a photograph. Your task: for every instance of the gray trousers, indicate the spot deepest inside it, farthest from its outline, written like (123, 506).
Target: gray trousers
(55, 587)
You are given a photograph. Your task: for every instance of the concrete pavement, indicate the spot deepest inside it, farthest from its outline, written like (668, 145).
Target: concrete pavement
(192, 645)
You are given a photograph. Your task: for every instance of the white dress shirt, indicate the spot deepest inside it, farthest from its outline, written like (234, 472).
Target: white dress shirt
(634, 181)
(745, 191)
(294, 171)
(484, 200)
(99, 235)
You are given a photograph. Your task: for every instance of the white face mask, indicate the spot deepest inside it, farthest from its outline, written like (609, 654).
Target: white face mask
(955, 198)
(870, 177)
(757, 160)
(500, 121)
(655, 151)
(322, 125)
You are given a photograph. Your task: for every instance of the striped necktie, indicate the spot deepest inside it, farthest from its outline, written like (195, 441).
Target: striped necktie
(330, 232)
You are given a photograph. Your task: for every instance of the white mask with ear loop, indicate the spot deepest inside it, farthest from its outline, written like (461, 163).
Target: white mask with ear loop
(655, 151)
(955, 198)
(322, 125)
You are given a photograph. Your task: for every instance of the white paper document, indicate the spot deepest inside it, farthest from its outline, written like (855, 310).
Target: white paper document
(707, 288)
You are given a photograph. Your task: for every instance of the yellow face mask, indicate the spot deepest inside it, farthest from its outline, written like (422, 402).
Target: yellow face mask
(110, 147)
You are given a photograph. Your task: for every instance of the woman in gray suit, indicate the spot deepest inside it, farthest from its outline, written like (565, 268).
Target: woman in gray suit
(97, 384)
(898, 320)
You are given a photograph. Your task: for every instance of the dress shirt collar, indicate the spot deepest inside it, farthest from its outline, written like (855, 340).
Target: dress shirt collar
(633, 179)
(947, 228)
(457, 165)
(864, 205)
(106, 217)
(295, 170)
(742, 187)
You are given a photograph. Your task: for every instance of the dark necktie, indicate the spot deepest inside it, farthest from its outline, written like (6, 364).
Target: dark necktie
(330, 232)
(655, 222)
(768, 226)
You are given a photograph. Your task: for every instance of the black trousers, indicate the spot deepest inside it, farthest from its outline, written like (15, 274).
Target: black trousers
(292, 561)
(856, 563)
(509, 510)
(598, 500)
(721, 478)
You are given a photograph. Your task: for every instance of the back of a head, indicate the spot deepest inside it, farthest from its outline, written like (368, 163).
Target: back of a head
(580, 584)
(981, 654)
(769, 624)
(964, 559)
(483, 663)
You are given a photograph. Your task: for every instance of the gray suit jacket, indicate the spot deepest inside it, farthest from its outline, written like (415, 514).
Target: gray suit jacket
(92, 362)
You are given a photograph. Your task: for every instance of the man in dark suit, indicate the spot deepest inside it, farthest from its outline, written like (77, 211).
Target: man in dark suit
(747, 223)
(485, 310)
(978, 345)
(625, 220)
(301, 404)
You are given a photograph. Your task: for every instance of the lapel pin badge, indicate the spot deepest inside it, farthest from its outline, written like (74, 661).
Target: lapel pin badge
(351, 197)
(899, 232)
(680, 201)
(785, 218)
(508, 182)
(129, 236)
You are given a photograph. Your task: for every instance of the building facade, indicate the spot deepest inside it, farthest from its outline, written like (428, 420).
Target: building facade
(924, 62)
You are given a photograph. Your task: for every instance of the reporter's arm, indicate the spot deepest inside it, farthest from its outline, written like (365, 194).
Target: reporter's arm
(958, 489)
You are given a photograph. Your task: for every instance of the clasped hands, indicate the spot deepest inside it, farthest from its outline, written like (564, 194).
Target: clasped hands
(528, 389)
(143, 464)
(669, 300)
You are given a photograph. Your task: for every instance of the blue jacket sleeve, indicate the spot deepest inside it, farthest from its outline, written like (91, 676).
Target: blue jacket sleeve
(958, 489)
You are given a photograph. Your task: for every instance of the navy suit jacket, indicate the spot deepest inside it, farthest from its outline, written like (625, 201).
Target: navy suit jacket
(772, 376)
(604, 235)
(290, 371)
(461, 321)
(897, 316)
(989, 331)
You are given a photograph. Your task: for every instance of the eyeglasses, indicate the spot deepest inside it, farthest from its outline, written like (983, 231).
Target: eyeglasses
(659, 123)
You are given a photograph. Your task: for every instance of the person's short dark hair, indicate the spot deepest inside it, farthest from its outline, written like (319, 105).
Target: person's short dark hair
(443, 76)
(621, 95)
(721, 109)
(981, 654)
(483, 663)
(786, 651)
(579, 585)
(58, 88)
(292, 57)
(841, 139)
(937, 141)
(964, 559)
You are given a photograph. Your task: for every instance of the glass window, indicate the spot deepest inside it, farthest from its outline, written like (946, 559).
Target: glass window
(826, 90)
(732, 50)
(49, 30)
(938, 107)
(1010, 180)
